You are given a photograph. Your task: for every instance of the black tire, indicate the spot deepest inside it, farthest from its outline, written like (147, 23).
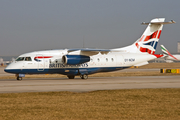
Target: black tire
(84, 76)
(19, 78)
(71, 76)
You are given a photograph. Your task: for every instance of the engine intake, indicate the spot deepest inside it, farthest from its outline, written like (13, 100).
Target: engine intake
(75, 59)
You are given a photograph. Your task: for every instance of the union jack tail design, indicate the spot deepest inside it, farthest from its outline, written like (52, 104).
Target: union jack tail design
(147, 43)
(149, 40)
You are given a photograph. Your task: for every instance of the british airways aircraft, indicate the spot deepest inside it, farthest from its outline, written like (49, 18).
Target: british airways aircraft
(82, 62)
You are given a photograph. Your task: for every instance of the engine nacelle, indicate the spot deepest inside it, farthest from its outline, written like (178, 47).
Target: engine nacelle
(75, 59)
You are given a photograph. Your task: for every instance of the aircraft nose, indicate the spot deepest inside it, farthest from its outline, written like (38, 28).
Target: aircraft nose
(6, 70)
(12, 68)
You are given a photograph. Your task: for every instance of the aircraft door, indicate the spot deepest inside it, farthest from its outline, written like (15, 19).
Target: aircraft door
(41, 63)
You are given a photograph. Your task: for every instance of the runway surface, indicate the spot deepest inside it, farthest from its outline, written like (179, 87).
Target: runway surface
(91, 84)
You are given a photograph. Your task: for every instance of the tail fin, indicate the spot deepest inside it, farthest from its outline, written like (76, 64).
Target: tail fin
(166, 52)
(149, 39)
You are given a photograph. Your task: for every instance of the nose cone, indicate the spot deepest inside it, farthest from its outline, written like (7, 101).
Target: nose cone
(11, 68)
(7, 69)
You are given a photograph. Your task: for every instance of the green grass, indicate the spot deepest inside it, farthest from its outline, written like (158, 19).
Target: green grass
(148, 104)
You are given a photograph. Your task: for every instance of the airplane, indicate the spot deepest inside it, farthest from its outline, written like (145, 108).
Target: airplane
(83, 62)
(168, 55)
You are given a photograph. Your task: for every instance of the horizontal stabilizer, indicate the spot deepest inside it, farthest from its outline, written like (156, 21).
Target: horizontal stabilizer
(156, 22)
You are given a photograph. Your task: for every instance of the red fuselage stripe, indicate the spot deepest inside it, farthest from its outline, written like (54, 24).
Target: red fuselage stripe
(40, 57)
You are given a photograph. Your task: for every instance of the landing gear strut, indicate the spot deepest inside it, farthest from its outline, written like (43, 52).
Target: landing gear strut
(19, 78)
(84, 76)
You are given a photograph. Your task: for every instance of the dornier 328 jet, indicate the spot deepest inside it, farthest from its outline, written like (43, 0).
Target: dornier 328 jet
(82, 62)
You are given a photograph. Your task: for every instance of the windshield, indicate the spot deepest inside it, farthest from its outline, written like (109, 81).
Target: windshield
(28, 59)
(20, 59)
(23, 59)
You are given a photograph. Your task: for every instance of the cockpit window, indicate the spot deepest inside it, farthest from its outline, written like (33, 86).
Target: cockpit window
(20, 59)
(28, 59)
(23, 59)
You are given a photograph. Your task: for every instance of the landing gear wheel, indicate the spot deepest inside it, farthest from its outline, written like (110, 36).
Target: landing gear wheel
(19, 78)
(84, 76)
(81, 76)
(71, 76)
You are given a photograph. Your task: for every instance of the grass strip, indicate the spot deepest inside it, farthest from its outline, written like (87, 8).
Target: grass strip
(148, 104)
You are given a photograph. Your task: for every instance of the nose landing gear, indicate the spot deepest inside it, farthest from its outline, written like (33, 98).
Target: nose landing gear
(19, 76)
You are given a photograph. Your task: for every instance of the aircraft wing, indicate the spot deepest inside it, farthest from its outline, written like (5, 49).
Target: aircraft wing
(90, 52)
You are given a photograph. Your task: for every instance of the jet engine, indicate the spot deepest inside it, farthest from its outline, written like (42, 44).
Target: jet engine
(75, 59)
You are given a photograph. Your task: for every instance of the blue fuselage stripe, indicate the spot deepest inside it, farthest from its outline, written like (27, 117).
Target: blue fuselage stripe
(65, 71)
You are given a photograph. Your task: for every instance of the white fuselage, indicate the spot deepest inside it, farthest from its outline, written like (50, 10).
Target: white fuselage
(44, 62)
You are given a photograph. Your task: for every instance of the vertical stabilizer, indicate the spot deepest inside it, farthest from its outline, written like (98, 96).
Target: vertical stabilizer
(147, 43)
(149, 39)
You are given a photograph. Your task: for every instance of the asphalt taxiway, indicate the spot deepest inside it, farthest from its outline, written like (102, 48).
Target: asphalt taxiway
(91, 84)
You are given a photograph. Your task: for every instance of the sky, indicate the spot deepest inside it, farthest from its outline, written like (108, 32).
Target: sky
(33, 25)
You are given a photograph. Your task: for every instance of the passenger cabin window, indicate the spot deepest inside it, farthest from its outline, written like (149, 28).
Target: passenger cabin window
(28, 59)
(98, 60)
(91, 60)
(112, 59)
(106, 59)
(20, 59)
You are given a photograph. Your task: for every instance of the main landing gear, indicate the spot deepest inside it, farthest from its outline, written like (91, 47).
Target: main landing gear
(81, 76)
(71, 76)
(84, 76)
